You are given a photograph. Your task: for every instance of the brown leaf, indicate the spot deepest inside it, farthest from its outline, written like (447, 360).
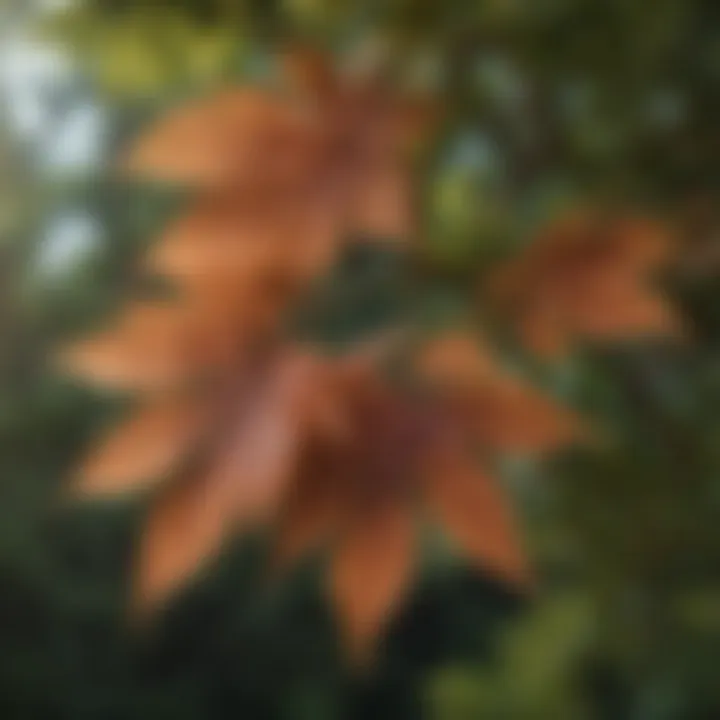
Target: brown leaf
(513, 418)
(499, 411)
(282, 179)
(352, 454)
(235, 136)
(620, 311)
(151, 347)
(220, 235)
(370, 573)
(240, 484)
(608, 308)
(476, 515)
(455, 359)
(143, 449)
(249, 257)
(317, 503)
(587, 277)
(185, 527)
(270, 435)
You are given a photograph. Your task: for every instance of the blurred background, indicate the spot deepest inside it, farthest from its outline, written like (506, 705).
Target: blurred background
(547, 105)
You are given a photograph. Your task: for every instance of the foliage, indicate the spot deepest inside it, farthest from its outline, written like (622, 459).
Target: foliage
(547, 107)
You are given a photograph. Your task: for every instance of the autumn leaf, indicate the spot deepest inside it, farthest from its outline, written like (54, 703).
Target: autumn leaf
(498, 410)
(148, 445)
(246, 136)
(586, 278)
(405, 451)
(337, 139)
(335, 456)
(238, 485)
(151, 346)
(370, 572)
(314, 509)
(476, 515)
(238, 427)
(284, 180)
(247, 244)
(184, 529)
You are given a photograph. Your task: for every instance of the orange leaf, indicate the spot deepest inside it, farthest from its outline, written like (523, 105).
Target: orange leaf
(269, 436)
(242, 482)
(236, 136)
(151, 347)
(621, 311)
(219, 235)
(185, 527)
(141, 450)
(500, 412)
(314, 509)
(370, 572)
(586, 277)
(476, 515)
(251, 251)
(510, 417)
(455, 359)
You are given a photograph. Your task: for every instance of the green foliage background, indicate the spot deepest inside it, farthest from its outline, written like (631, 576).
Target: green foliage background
(547, 104)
